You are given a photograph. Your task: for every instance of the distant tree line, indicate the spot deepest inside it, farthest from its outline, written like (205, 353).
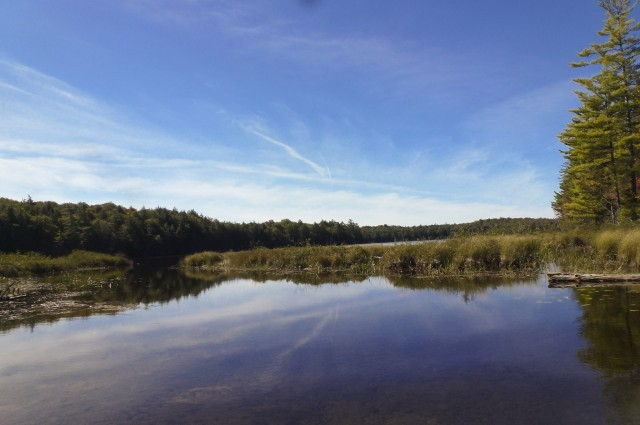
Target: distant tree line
(493, 226)
(57, 229)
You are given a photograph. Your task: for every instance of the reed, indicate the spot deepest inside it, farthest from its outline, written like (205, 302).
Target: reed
(12, 265)
(517, 252)
(602, 251)
(607, 243)
(316, 258)
(572, 251)
(629, 249)
(453, 256)
(207, 259)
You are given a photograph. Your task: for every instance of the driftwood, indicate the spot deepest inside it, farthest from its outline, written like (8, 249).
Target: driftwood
(4, 295)
(589, 279)
(12, 297)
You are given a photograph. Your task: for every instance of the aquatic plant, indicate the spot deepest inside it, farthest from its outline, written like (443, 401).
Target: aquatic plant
(33, 263)
(607, 243)
(629, 248)
(207, 259)
(453, 256)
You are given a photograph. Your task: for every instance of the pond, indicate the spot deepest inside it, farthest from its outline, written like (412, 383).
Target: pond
(170, 348)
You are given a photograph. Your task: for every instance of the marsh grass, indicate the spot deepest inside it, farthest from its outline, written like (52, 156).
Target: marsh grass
(12, 265)
(607, 243)
(613, 250)
(629, 249)
(205, 260)
(459, 256)
(604, 251)
(450, 257)
(320, 259)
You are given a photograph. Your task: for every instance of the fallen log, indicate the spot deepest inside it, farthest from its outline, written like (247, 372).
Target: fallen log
(12, 297)
(4, 293)
(584, 279)
(16, 294)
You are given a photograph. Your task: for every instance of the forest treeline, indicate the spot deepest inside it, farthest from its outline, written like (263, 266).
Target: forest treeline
(57, 229)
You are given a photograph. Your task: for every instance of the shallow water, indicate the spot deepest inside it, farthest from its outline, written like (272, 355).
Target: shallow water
(370, 352)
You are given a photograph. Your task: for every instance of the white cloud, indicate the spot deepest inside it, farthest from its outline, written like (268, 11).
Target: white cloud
(69, 150)
(226, 197)
(322, 171)
(60, 144)
(240, 201)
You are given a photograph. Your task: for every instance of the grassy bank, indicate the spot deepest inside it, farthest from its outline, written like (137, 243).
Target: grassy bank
(576, 251)
(450, 257)
(12, 265)
(611, 250)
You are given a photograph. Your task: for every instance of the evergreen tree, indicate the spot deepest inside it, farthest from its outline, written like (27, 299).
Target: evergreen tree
(599, 181)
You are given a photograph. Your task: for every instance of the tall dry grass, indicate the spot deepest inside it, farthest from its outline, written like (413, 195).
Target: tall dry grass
(206, 259)
(450, 257)
(598, 251)
(629, 249)
(17, 264)
(316, 258)
(572, 251)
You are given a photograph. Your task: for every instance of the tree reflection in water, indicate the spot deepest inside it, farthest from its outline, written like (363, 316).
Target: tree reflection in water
(51, 298)
(73, 295)
(611, 327)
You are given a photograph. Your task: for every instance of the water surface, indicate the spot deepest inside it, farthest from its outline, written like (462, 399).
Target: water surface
(373, 351)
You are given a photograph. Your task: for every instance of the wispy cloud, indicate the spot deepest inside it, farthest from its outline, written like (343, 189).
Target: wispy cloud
(257, 202)
(388, 66)
(322, 171)
(39, 109)
(61, 144)
(227, 197)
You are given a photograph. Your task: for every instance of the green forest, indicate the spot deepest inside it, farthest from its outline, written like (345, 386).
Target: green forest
(599, 182)
(57, 229)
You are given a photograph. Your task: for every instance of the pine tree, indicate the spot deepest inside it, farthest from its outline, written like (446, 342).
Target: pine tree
(599, 181)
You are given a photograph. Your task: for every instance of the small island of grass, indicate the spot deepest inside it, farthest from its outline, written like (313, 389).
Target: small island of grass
(600, 251)
(17, 264)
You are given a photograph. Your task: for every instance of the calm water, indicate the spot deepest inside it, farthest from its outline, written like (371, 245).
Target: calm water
(188, 350)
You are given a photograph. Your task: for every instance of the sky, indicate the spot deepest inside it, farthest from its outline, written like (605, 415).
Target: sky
(411, 112)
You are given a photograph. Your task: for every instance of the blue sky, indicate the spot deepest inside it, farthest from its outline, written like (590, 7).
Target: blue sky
(406, 112)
